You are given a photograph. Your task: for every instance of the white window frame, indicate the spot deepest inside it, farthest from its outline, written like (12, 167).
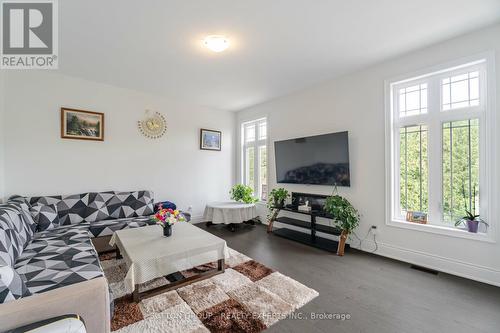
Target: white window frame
(434, 118)
(255, 144)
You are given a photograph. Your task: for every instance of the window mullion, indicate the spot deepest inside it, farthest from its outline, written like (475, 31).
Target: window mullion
(245, 162)
(434, 152)
(256, 161)
(395, 155)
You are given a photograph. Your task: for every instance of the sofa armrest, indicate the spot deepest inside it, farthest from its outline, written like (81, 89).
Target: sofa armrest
(88, 299)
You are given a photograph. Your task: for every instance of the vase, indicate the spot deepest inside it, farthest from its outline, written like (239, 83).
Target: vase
(472, 226)
(167, 230)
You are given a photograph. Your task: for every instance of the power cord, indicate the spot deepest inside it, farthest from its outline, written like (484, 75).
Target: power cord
(364, 238)
(376, 244)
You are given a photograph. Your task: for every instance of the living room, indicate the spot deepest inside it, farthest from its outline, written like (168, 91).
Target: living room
(241, 167)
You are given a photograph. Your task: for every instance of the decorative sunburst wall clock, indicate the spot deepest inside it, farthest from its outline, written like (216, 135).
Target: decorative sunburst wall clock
(153, 126)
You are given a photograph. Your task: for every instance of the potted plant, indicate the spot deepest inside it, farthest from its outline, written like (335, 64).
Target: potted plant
(275, 202)
(277, 198)
(166, 218)
(344, 215)
(242, 193)
(471, 219)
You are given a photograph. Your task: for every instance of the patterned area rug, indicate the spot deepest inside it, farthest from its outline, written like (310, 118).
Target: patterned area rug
(247, 297)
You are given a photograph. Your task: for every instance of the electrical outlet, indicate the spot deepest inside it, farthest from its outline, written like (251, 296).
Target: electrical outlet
(374, 230)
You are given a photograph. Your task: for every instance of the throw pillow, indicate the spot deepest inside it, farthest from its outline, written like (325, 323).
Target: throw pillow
(164, 205)
(45, 217)
(12, 286)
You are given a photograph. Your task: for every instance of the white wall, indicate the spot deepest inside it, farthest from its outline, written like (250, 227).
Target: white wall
(38, 161)
(356, 103)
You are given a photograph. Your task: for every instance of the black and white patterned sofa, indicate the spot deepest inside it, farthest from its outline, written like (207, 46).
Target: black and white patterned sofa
(47, 244)
(105, 212)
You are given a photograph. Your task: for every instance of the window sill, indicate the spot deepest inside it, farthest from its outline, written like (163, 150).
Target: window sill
(442, 230)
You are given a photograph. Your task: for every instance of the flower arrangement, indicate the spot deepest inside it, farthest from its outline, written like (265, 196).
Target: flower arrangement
(167, 217)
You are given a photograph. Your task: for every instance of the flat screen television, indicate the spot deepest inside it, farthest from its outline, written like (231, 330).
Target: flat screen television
(317, 160)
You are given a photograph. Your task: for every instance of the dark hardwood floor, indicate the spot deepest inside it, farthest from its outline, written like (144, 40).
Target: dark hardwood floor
(380, 294)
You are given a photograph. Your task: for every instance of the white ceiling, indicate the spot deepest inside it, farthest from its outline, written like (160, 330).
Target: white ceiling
(278, 46)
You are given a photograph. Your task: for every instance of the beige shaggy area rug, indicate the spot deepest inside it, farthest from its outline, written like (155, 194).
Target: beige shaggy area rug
(247, 297)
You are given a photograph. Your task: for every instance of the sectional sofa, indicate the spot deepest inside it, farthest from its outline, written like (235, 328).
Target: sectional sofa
(49, 264)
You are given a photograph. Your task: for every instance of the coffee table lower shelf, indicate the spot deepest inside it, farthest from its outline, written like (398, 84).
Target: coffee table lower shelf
(138, 296)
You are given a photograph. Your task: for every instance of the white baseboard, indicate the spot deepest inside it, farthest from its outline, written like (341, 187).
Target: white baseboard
(428, 260)
(197, 219)
(435, 262)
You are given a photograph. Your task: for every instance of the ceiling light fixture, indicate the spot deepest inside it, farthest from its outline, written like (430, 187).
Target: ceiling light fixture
(216, 43)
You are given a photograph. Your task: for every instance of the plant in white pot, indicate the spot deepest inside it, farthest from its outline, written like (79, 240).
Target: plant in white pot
(471, 219)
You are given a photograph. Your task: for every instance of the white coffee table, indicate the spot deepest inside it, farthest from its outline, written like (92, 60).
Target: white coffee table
(150, 255)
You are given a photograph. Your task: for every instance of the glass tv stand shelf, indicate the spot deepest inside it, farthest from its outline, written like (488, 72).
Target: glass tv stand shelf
(310, 228)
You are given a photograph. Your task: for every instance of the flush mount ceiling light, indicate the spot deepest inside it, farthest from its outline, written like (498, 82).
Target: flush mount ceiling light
(216, 43)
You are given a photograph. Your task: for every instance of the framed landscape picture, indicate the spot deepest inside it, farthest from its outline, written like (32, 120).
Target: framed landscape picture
(210, 139)
(416, 217)
(82, 125)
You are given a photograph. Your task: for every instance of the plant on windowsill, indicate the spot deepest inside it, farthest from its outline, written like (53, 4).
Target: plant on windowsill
(344, 215)
(276, 201)
(471, 219)
(243, 193)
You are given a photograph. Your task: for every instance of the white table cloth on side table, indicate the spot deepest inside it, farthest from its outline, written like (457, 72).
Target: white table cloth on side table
(228, 212)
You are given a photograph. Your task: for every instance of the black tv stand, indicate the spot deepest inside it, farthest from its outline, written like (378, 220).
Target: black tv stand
(310, 238)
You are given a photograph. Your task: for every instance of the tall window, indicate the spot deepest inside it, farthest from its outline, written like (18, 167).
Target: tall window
(438, 144)
(254, 151)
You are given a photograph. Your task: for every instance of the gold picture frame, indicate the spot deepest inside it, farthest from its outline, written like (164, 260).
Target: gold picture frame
(82, 125)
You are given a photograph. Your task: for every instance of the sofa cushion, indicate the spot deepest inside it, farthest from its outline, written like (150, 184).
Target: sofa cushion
(97, 209)
(128, 204)
(108, 227)
(9, 250)
(70, 208)
(45, 217)
(12, 285)
(98, 206)
(66, 234)
(24, 209)
(16, 230)
(57, 258)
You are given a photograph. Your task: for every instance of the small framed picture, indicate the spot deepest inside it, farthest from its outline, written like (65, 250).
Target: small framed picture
(416, 217)
(82, 125)
(210, 139)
